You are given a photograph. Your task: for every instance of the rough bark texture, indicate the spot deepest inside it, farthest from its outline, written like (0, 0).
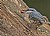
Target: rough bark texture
(13, 24)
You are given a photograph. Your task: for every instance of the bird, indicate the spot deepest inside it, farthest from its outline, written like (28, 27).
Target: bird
(33, 13)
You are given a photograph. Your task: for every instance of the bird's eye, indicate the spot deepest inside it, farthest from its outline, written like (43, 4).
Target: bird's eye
(32, 10)
(27, 10)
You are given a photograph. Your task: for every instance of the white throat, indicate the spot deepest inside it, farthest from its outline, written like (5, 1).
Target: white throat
(29, 11)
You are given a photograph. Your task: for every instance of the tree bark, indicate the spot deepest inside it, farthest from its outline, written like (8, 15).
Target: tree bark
(12, 22)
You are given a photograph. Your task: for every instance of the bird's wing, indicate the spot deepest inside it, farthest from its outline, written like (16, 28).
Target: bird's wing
(38, 15)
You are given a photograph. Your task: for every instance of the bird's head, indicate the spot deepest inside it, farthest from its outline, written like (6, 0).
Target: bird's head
(29, 10)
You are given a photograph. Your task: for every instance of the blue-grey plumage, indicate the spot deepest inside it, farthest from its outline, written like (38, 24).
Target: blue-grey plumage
(35, 14)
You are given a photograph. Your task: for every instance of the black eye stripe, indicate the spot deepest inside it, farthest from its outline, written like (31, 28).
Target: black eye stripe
(29, 10)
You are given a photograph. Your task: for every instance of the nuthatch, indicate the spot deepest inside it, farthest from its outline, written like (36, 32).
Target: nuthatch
(33, 13)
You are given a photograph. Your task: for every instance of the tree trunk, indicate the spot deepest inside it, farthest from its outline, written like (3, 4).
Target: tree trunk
(12, 22)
